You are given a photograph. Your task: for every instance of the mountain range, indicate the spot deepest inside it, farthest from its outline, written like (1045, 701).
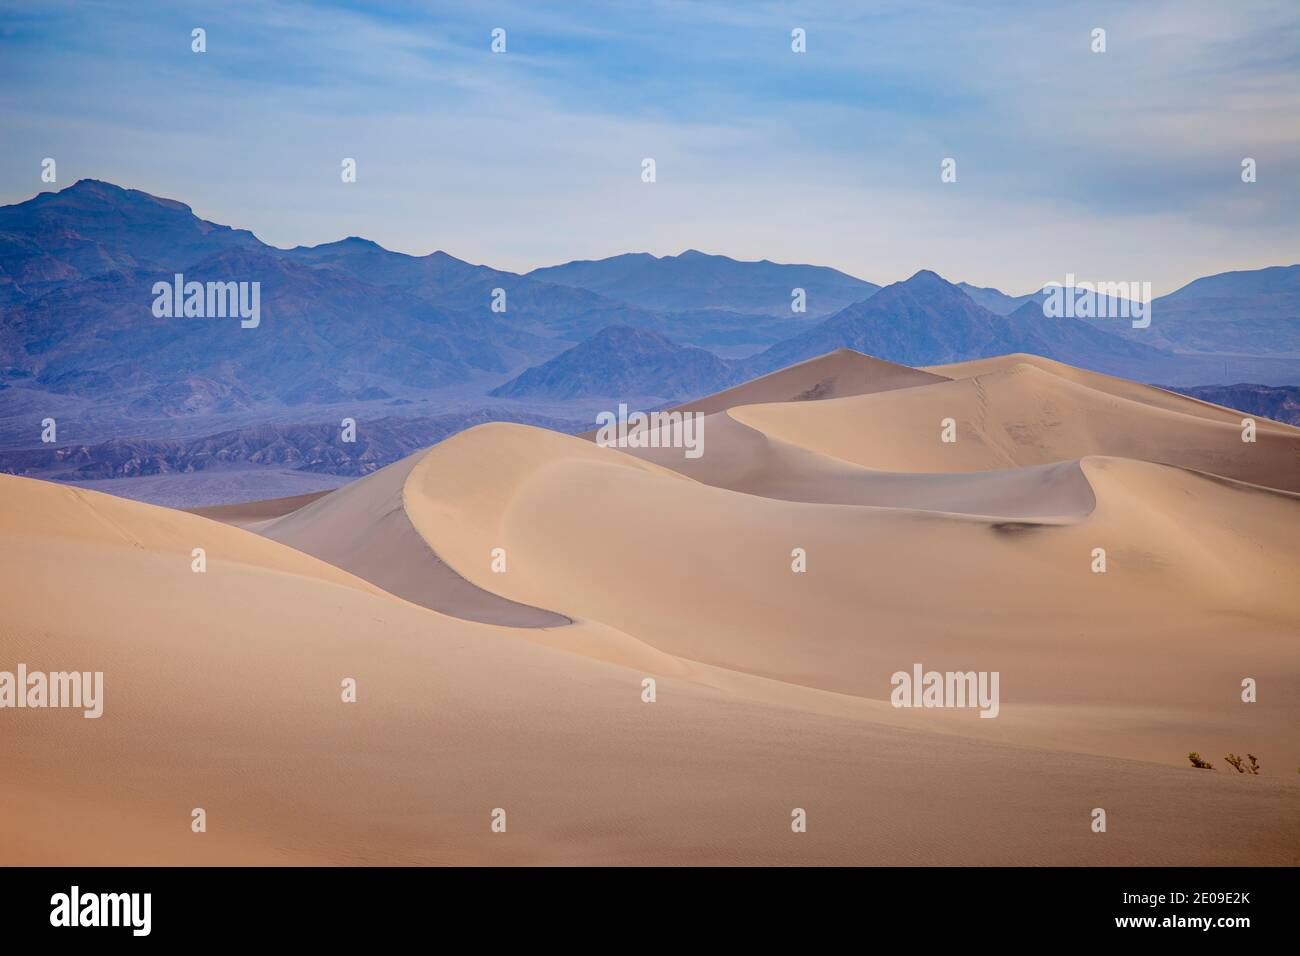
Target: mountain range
(695, 281)
(352, 324)
(923, 320)
(1252, 312)
(926, 321)
(342, 319)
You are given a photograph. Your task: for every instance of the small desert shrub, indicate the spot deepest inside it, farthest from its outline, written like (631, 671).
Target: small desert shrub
(1243, 765)
(1198, 763)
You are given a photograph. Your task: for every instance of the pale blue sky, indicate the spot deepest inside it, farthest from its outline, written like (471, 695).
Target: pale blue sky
(1123, 165)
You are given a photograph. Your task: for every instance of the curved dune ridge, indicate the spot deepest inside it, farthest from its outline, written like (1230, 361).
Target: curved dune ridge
(1020, 413)
(742, 458)
(522, 688)
(704, 574)
(836, 374)
(364, 528)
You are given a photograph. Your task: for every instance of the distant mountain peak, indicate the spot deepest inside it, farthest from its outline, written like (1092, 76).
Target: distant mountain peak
(924, 284)
(362, 242)
(349, 243)
(113, 194)
(926, 320)
(927, 278)
(623, 360)
(94, 185)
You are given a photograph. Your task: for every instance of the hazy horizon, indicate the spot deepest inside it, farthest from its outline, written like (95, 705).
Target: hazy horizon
(974, 281)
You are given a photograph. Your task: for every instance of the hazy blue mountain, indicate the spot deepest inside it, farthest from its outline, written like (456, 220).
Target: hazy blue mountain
(718, 328)
(694, 280)
(623, 361)
(1089, 344)
(1255, 312)
(91, 228)
(450, 283)
(1275, 280)
(1002, 304)
(926, 320)
(995, 300)
(324, 336)
(347, 321)
(350, 321)
(570, 313)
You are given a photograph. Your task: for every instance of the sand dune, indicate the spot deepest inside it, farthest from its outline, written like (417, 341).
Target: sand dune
(363, 528)
(222, 692)
(836, 374)
(742, 458)
(887, 586)
(774, 686)
(1021, 415)
(48, 512)
(1109, 384)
